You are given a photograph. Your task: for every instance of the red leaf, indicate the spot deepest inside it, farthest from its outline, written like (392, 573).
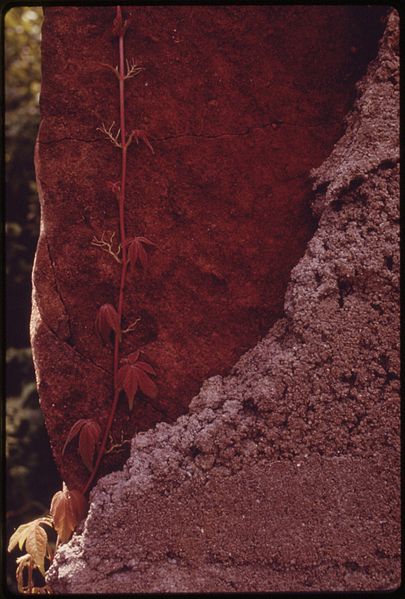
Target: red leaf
(146, 367)
(146, 241)
(136, 251)
(122, 372)
(134, 357)
(141, 134)
(68, 508)
(146, 384)
(107, 321)
(128, 382)
(88, 439)
(78, 504)
(73, 432)
(133, 252)
(118, 25)
(143, 257)
(133, 375)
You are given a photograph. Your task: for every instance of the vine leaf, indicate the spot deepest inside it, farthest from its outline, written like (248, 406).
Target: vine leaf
(88, 439)
(120, 25)
(136, 251)
(107, 321)
(35, 539)
(117, 25)
(89, 434)
(35, 545)
(139, 134)
(134, 375)
(68, 508)
(19, 536)
(75, 429)
(133, 358)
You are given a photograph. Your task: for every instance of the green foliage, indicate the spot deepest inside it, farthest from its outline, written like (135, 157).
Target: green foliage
(23, 70)
(22, 86)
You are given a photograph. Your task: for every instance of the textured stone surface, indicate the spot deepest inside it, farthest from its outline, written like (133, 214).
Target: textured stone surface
(285, 474)
(240, 103)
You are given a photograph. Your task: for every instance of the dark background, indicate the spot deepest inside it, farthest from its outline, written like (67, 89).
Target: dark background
(31, 475)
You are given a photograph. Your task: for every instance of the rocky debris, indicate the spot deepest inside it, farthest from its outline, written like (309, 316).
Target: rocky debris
(284, 476)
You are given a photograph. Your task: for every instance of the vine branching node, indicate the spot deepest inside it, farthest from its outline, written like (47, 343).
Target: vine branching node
(132, 326)
(132, 69)
(110, 135)
(115, 446)
(109, 67)
(107, 245)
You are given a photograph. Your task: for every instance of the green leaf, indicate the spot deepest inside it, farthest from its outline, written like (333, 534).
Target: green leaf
(19, 536)
(35, 545)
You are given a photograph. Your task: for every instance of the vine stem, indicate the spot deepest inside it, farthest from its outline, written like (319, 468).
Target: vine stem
(117, 338)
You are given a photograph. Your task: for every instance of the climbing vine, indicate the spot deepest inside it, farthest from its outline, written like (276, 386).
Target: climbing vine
(130, 373)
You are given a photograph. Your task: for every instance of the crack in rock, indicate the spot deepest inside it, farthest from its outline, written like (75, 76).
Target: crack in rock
(243, 133)
(55, 280)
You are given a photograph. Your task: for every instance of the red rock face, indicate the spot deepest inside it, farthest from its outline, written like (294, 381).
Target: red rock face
(239, 102)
